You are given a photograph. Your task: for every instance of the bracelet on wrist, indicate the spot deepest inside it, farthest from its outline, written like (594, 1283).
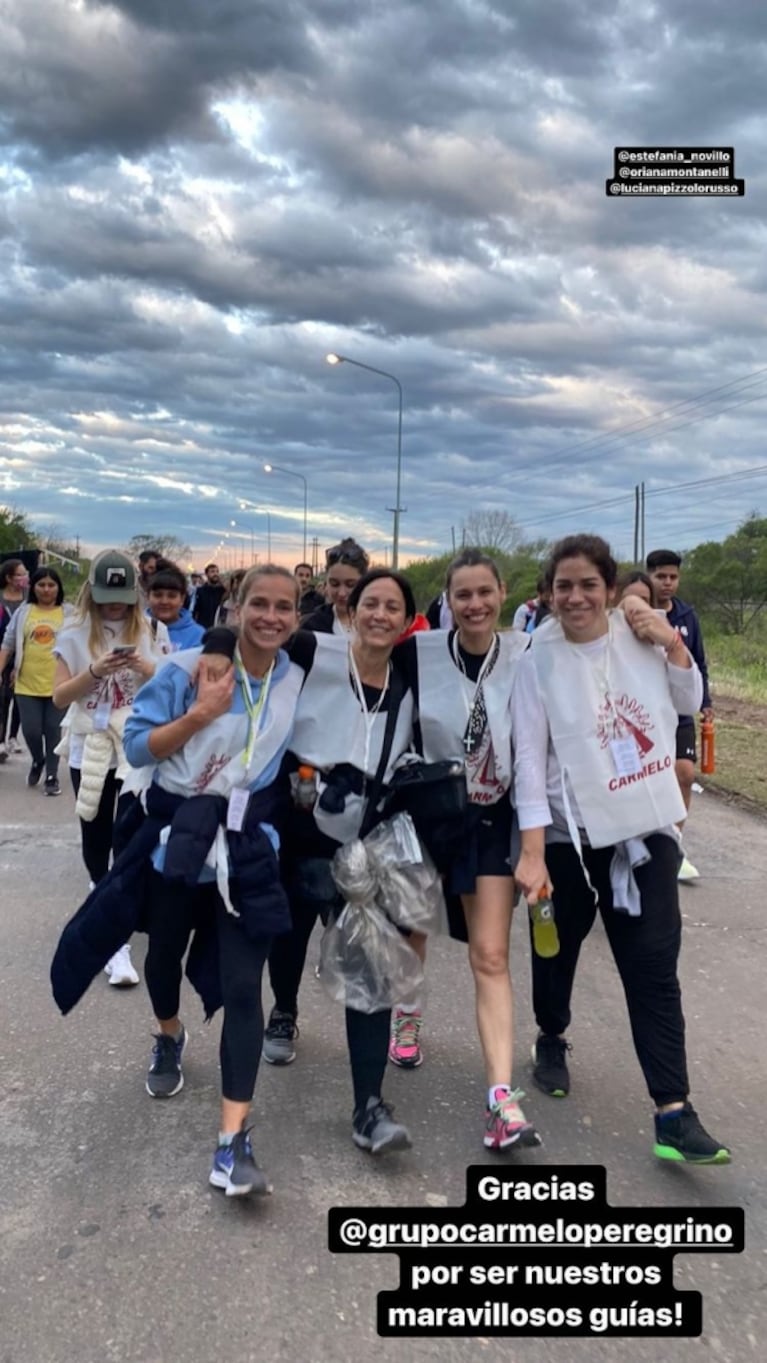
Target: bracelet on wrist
(94, 674)
(677, 639)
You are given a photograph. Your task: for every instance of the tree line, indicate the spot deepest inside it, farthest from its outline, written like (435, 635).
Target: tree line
(726, 580)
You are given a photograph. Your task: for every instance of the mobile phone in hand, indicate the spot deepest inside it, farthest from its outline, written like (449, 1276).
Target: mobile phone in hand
(123, 648)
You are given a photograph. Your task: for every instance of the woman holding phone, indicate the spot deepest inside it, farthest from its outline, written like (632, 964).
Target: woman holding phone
(107, 652)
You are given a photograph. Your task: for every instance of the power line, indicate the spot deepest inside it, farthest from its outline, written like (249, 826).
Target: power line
(649, 426)
(651, 492)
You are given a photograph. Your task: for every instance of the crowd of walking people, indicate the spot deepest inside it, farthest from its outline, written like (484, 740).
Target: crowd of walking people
(226, 739)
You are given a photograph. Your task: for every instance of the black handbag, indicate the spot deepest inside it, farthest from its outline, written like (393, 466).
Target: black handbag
(431, 792)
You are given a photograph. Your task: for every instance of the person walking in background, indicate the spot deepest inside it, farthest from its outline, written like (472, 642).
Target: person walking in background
(208, 597)
(227, 613)
(103, 656)
(148, 561)
(28, 649)
(310, 599)
(663, 567)
(165, 596)
(346, 563)
(14, 581)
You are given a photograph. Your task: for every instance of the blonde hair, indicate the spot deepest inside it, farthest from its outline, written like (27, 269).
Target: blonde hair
(266, 570)
(134, 624)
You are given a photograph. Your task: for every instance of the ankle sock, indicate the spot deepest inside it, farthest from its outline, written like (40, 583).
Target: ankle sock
(497, 1093)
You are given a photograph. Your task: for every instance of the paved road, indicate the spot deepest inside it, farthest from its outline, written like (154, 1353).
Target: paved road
(114, 1250)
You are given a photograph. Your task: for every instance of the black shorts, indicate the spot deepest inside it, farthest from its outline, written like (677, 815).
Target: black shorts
(685, 741)
(494, 839)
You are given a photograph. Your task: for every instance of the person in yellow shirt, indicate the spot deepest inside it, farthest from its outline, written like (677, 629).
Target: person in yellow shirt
(29, 642)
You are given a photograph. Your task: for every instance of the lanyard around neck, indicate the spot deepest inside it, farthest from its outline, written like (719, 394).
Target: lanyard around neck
(488, 662)
(255, 709)
(369, 716)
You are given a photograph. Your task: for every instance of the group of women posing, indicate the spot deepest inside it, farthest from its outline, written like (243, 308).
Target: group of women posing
(580, 725)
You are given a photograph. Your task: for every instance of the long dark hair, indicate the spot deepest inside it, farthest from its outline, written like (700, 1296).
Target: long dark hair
(38, 576)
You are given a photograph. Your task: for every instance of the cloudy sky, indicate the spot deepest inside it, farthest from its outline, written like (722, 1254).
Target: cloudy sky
(201, 198)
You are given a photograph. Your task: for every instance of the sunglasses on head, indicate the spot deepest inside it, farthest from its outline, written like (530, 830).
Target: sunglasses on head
(355, 558)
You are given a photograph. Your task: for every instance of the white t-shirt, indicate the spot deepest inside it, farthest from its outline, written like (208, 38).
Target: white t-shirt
(119, 689)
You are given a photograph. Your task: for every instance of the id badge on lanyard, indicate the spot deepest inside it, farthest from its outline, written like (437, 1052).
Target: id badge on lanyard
(625, 755)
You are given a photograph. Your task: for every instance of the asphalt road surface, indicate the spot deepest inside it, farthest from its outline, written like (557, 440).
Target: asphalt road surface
(113, 1249)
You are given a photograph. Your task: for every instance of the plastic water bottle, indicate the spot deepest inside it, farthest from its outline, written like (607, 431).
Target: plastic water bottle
(707, 758)
(545, 935)
(306, 788)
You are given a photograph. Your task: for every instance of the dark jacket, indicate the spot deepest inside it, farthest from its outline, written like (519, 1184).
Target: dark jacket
(207, 600)
(311, 601)
(683, 618)
(113, 911)
(320, 621)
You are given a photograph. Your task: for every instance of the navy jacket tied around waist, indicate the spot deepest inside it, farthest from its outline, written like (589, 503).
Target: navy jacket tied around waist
(114, 910)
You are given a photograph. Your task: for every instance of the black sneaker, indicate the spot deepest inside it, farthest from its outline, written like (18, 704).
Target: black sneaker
(375, 1129)
(235, 1169)
(165, 1078)
(550, 1070)
(281, 1032)
(35, 772)
(52, 786)
(680, 1136)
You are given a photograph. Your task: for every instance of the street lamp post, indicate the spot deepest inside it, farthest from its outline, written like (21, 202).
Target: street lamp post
(291, 473)
(397, 508)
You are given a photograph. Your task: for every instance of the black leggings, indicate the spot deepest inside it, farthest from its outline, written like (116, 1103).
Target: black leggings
(41, 727)
(645, 950)
(173, 910)
(311, 892)
(96, 835)
(8, 707)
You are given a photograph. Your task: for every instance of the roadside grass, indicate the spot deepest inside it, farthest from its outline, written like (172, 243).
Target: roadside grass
(737, 664)
(741, 762)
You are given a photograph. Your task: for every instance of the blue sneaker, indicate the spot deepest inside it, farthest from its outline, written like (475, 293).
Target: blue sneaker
(165, 1078)
(235, 1169)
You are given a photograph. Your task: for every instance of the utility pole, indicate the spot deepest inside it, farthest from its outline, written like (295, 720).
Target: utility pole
(636, 522)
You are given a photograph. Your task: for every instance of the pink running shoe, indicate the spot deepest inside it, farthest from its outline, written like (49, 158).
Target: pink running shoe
(404, 1046)
(505, 1122)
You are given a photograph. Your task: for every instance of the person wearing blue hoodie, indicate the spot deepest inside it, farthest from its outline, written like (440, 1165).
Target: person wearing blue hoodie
(165, 595)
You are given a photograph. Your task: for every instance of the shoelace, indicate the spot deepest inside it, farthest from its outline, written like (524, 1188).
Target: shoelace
(407, 1029)
(283, 1026)
(165, 1051)
(509, 1110)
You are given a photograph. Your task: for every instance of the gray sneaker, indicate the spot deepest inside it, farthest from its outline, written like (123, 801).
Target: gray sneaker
(280, 1034)
(375, 1129)
(165, 1077)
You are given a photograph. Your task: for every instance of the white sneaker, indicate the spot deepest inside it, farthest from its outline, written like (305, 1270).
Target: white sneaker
(120, 969)
(14, 746)
(3, 753)
(687, 871)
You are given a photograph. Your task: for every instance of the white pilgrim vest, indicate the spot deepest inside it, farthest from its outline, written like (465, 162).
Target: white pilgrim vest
(445, 697)
(330, 729)
(211, 761)
(621, 694)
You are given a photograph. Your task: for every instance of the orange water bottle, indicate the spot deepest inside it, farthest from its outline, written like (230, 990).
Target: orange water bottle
(545, 935)
(707, 759)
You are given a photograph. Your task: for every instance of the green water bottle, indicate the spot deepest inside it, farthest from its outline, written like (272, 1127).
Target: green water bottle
(545, 935)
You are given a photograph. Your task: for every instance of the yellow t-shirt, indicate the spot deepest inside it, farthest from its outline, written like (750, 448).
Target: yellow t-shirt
(38, 663)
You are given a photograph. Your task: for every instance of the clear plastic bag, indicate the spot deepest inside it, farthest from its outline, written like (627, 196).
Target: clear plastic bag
(388, 882)
(409, 885)
(365, 963)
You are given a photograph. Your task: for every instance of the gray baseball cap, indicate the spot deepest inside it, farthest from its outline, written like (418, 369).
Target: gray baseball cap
(112, 579)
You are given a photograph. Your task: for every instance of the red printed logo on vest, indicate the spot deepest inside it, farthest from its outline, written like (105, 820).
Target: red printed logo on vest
(624, 717)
